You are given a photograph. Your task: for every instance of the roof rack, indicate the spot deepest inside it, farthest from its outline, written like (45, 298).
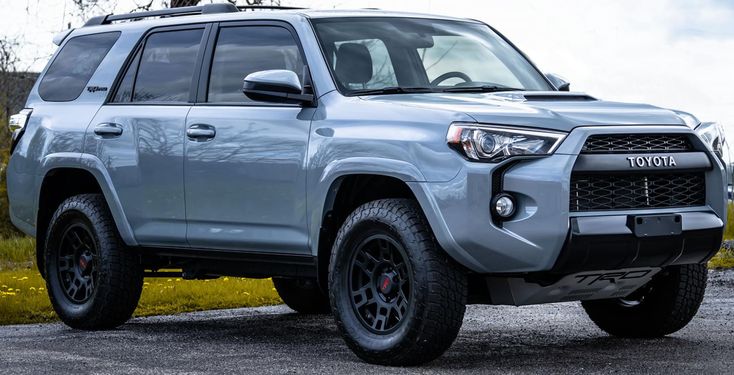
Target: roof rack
(265, 7)
(173, 12)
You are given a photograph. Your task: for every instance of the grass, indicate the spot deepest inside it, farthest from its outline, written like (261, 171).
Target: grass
(24, 299)
(17, 252)
(723, 260)
(729, 230)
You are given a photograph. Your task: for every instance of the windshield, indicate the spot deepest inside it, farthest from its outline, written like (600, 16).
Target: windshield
(370, 56)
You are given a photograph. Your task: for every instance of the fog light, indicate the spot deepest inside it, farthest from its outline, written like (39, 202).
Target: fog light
(504, 205)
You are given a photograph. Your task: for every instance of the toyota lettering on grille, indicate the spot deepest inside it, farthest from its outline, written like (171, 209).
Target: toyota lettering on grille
(651, 161)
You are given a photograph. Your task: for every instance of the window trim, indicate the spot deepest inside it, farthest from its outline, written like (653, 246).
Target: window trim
(202, 91)
(140, 47)
(45, 73)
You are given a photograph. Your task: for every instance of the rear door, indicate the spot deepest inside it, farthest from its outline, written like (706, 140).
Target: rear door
(246, 180)
(139, 135)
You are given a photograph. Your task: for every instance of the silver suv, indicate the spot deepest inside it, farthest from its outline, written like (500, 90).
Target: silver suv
(387, 167)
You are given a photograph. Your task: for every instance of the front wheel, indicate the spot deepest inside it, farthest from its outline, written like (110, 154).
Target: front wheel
(396, 296)
(663, 306)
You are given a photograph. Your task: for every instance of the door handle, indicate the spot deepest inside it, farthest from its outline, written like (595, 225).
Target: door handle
(201, 132)
(108, 129)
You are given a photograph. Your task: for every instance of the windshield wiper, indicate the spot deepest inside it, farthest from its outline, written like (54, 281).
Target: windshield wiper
(393, 90)
(484, 88)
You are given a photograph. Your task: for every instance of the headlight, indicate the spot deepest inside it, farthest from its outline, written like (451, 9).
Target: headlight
(713, 134)
(494, 144)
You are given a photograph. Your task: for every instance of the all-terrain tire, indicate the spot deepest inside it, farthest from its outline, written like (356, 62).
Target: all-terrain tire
(302, 295)
(83, 224)
(663, 306)
(436, 299)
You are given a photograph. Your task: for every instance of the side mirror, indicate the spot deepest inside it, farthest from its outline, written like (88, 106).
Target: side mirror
(275, 86)
(559, 82)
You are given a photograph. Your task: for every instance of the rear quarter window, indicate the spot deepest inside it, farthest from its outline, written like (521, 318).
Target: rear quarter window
(69, 73)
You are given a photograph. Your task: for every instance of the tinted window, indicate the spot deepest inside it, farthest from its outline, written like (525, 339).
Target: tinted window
(69, 73)
(166, 66)
(125, 90)
(243, 50)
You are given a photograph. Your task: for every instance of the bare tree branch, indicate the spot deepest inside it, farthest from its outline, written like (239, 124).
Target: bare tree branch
(142, 7)
(183, 3)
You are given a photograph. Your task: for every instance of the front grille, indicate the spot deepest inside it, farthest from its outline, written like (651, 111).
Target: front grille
(591, 192)
(636, 143)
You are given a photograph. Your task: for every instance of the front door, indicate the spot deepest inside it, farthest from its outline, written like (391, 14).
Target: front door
(245, 178)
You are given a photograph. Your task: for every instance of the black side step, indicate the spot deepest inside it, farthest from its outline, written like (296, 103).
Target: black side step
(204, 264)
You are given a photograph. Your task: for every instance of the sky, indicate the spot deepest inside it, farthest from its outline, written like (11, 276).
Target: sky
(671, 53)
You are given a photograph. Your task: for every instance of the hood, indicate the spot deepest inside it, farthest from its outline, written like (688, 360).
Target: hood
(553, 110)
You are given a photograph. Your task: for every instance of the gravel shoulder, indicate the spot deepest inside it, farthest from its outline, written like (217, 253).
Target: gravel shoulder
(555, 338)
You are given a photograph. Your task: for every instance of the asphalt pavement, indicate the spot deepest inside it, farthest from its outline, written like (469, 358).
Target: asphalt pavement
(556, 338)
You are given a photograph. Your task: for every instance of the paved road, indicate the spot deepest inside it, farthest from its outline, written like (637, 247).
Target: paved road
(549, 339)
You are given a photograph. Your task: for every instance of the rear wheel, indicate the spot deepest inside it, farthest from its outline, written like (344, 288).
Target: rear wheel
(302, 295)
(93, 280)
(398, 299)
(663, 306)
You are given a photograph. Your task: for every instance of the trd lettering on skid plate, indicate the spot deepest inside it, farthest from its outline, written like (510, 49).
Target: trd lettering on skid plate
(592, 278)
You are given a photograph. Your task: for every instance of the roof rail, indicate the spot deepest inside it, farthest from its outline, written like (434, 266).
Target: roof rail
(265, 7)
(172, 12)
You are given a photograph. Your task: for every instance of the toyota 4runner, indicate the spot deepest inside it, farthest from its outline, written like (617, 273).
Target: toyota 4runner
(387, 167)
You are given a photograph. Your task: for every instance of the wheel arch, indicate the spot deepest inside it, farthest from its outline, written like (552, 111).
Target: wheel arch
(345, 193)
(63, 176)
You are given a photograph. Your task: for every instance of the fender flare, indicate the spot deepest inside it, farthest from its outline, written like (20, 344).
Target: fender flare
(325, 188)
(96, 168)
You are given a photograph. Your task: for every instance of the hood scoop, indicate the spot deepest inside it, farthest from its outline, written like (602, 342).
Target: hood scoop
(545, 96)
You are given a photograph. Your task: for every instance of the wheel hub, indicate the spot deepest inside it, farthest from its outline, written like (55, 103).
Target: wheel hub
(76, 266)
(387, 283)
(380, 283)
(85, 261)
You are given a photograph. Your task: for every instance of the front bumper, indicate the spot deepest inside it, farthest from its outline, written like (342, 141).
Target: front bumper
(608, 242)
(544, 236)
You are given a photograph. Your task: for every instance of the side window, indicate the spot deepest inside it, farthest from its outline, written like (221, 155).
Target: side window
(125, 90)
(164, 70)
(242, 50)
(383, 72)
(69, 73)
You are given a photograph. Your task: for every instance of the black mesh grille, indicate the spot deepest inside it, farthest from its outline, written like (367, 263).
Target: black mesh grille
(590, 192)
(635, 143)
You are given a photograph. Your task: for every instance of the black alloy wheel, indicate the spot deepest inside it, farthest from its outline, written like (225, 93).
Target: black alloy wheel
(380, 283)
(93, 280)
(77, 260)
(396, 296)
